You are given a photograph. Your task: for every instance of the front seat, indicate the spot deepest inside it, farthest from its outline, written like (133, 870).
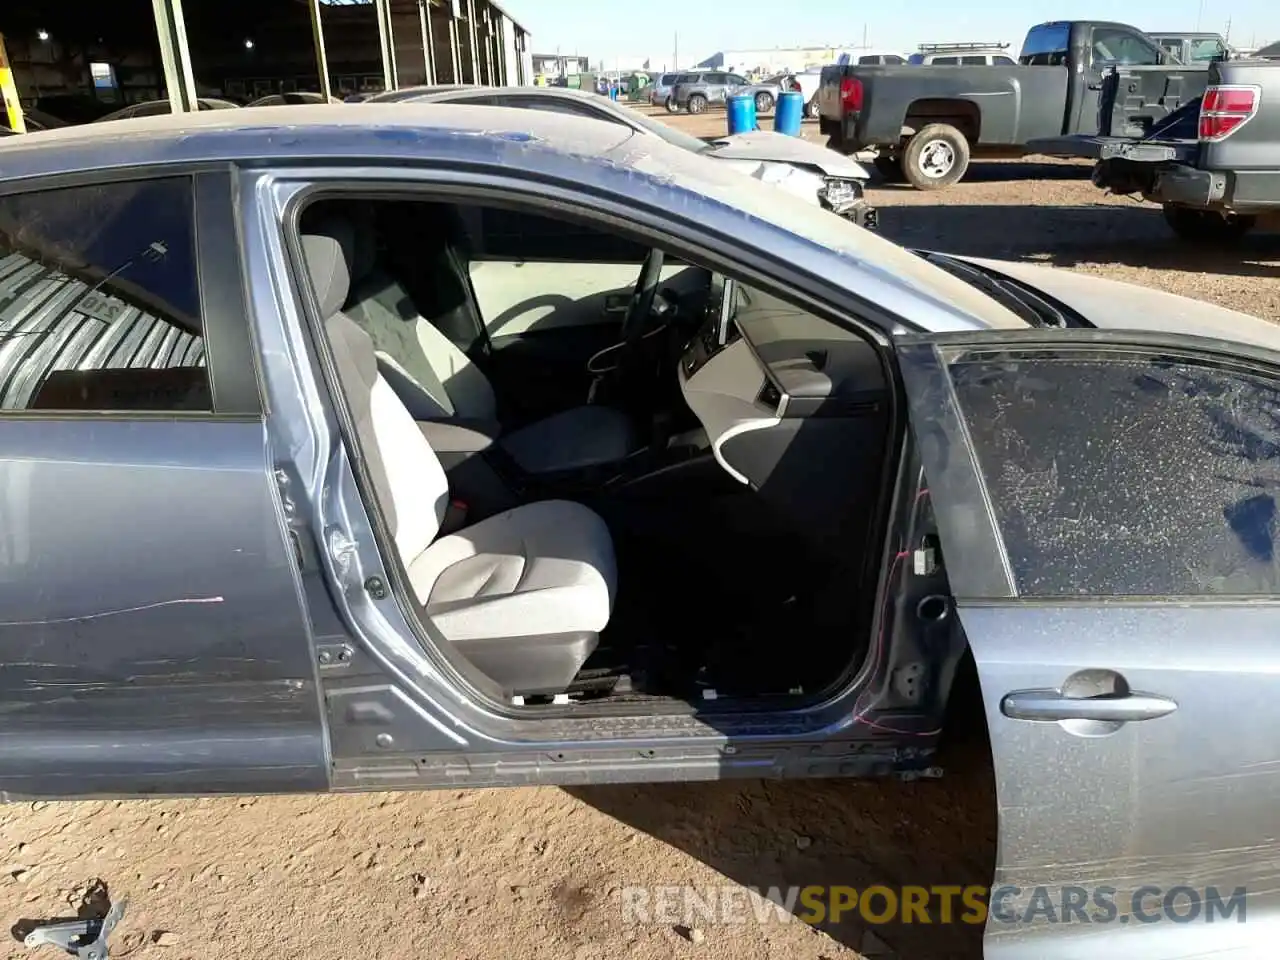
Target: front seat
(522, 595)
(437, 381)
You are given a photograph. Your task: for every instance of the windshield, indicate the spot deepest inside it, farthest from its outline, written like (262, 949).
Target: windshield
(677, 138)
(724, 184)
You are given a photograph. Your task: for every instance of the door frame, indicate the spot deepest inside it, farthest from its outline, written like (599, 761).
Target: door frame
(444, 727)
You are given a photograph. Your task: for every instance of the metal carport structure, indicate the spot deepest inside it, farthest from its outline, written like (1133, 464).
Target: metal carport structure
(420, 41)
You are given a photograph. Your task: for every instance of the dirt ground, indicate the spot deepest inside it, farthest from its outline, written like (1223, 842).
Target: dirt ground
(542, 872)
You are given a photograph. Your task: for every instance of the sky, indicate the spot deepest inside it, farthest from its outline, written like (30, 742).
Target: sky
(703, 27)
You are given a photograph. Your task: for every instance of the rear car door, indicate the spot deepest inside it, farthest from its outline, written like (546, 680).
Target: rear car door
(1108, 516)
(154, 639)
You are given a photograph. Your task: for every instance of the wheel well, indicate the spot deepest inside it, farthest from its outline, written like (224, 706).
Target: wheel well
(964, 115)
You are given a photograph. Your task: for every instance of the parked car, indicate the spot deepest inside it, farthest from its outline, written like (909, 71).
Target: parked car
(422, 560)
(717, 86)
(1213, 166)
(1191, 47)
(153, 108)
(805, 169)
(33, 119)
(413, 93)
(663, 87)
(293, 97)
(961, 55)
(926, 124)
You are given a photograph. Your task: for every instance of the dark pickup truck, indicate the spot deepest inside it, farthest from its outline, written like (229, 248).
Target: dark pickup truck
(1214, 164)
(926, 122)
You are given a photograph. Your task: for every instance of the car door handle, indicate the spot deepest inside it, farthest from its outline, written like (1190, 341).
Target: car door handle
(1052, 705)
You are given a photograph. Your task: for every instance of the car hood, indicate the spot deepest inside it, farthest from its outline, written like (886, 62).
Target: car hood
(1112, 305)
(771, 147)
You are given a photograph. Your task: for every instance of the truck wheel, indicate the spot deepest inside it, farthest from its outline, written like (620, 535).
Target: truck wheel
(697, 103)
(764, 102)
(890, 168)
(1207, 226)
(936, 157)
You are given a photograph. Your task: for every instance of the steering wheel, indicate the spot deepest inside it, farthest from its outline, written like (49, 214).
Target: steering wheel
(641, 306)
(635, 325)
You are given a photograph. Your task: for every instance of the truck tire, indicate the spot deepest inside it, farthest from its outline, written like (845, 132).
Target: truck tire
(936, 157)
(1207, 226)
(890, 168)
(697, 103)
(764, 102)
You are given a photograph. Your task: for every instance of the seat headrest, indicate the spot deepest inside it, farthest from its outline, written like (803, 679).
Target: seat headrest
(328, 248)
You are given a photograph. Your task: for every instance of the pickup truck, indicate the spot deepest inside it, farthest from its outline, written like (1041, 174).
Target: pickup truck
(925, 125)
(1213, 165)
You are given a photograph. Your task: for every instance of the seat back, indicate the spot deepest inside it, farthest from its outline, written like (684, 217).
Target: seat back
(409, 482)
(431, 374)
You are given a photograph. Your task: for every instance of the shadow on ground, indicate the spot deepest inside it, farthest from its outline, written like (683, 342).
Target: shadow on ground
(1134, 235)
(763, 834)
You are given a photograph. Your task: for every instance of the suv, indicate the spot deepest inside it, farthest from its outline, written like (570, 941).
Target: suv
(961, 55)
(664, 87)
(717, 86)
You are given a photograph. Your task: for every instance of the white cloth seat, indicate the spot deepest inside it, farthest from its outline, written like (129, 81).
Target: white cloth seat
(437, 381)
(543, 568)
(523, 595)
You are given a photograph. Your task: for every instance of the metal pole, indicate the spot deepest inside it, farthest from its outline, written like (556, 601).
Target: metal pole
(175, 54)
(471, 32)
(383, 10)
(455, 54)
(428, 41)
(488, 46)
(9, 93)
(322, 58)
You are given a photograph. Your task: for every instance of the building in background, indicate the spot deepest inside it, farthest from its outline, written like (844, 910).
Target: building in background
(554, 66)
(770, 61)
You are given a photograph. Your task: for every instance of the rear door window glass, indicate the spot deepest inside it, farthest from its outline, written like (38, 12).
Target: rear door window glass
(973, 61)
(99, 299)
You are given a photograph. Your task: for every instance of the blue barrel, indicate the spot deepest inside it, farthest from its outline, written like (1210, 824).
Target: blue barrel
(789, 113)
(742, 114)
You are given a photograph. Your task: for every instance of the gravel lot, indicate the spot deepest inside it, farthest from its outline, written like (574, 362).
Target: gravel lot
(535, 873)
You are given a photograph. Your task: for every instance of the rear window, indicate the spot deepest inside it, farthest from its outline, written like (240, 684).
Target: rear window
(687, 78)
(973, 61)
(1046, 45)
(668, 79)
(948, 61)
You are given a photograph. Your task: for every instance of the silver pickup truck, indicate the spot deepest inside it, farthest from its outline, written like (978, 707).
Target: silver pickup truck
(1213, 165)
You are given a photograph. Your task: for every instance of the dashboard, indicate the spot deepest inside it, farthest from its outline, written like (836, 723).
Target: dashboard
(796, 408)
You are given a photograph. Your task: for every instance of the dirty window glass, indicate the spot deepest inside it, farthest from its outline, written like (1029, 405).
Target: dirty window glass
(946, 61)
(973, 61)
(99, 300)
(1127, 475)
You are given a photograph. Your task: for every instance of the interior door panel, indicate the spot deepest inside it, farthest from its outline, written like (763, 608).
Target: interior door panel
(526, 296)
(546, 319)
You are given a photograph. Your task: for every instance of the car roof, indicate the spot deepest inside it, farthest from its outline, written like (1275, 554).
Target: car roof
(654, 171)
(313, 129)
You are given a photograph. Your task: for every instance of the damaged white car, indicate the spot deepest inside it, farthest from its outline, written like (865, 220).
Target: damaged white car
(807, 170)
